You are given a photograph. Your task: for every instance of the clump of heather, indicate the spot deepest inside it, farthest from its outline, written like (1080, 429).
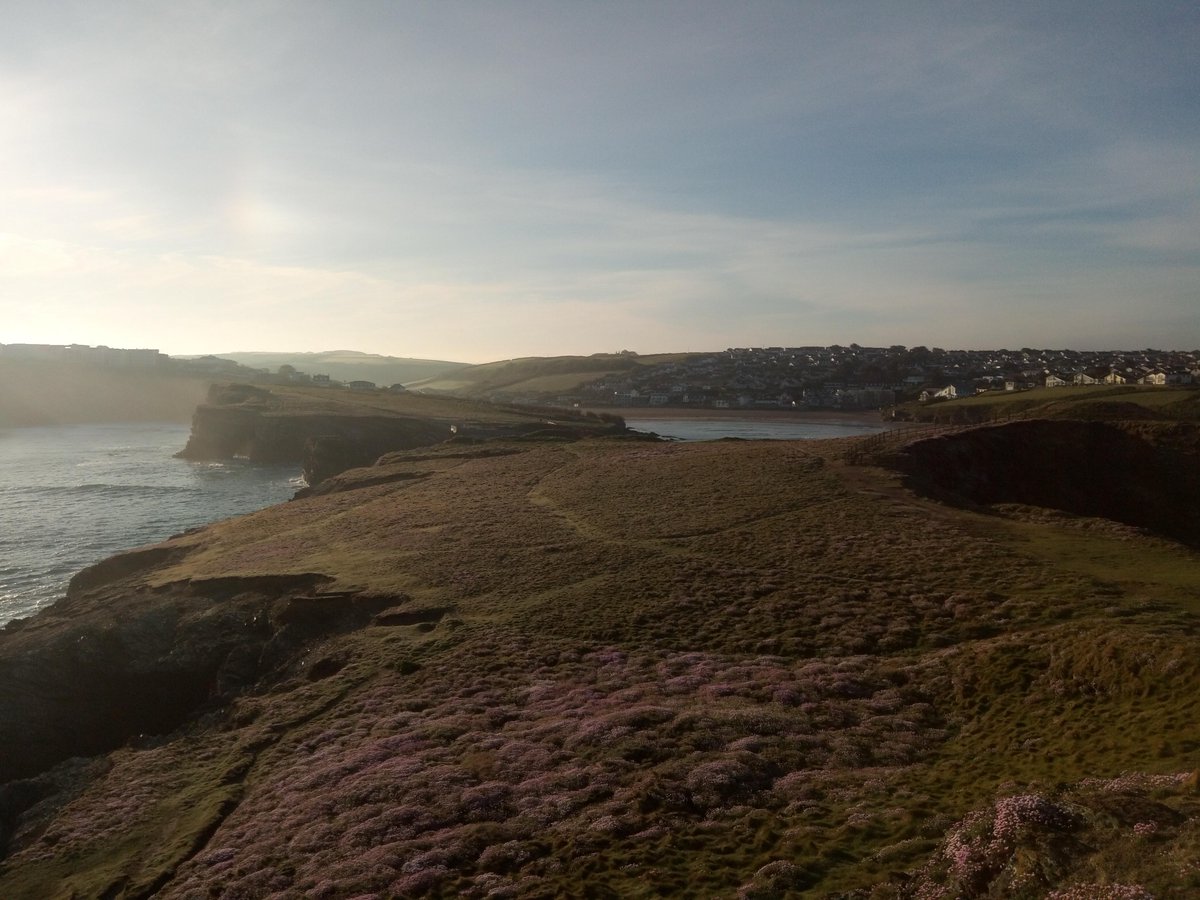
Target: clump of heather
(1015, 843)
(1073, 845)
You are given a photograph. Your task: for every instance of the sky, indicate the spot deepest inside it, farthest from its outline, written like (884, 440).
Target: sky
(476, 181)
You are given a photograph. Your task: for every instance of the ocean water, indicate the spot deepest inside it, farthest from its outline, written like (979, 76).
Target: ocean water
(686, 428)
(72, 495)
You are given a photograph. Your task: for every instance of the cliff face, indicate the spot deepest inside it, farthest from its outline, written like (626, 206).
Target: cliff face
(325, 444)
(335, 435)
(118, 658)
(1145, 474)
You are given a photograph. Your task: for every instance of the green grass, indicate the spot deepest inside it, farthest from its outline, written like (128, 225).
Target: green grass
(155, 822)
(1118, 559)
(658, 669)
(535, 374)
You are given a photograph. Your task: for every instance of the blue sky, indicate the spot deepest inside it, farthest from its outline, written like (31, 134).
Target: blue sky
(478, 181)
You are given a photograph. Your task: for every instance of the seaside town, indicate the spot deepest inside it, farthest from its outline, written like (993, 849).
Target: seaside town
(835, 377)
(855, 377)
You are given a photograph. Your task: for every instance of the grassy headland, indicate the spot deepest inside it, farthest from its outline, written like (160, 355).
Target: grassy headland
(617, 668)
(331, 429)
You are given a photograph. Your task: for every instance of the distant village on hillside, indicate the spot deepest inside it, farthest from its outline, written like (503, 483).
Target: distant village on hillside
(855, 377)
(834, 377)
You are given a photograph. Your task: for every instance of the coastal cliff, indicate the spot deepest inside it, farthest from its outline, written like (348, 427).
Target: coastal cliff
(1141, 473)
(332, 430)
(515, 667)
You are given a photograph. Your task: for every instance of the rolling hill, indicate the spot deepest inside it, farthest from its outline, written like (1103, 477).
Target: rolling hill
(532, 375)
(348, 365)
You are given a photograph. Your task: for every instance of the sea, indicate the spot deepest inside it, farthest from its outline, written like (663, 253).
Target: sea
(72, 495)
(688, 428)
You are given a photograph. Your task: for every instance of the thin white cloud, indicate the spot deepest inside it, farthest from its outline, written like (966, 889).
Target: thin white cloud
(479, 181)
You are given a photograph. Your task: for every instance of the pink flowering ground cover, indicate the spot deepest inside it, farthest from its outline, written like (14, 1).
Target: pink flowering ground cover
(544, 770)
(1135, 836)
(631, 670)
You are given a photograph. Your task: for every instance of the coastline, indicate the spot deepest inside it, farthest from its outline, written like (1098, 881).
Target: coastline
(87, 491)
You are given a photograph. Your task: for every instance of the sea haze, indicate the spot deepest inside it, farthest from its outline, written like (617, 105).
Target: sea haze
(72, 495)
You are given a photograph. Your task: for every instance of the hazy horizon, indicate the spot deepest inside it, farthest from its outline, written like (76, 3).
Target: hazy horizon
(474, 182)
(655, 352)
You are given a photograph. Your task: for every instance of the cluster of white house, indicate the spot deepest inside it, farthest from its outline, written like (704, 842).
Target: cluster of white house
(1112, 376)
(1157, 377)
